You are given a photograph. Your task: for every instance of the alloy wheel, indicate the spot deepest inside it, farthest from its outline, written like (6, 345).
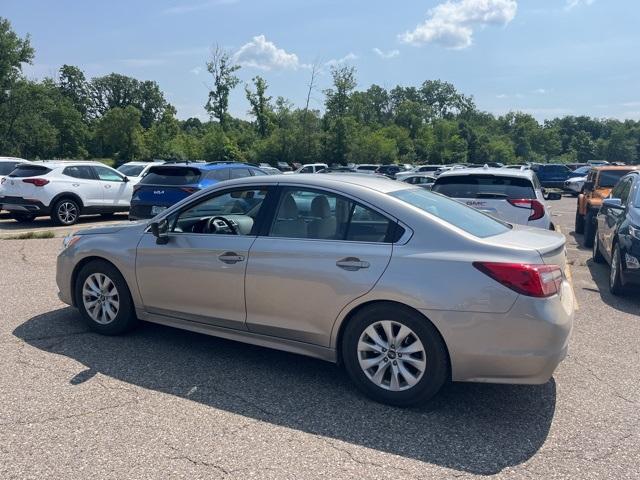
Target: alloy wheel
(67, 212)
(391, 355)
(100, 298)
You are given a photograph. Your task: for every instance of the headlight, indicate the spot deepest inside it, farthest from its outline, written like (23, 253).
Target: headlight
(69, 240)
(634, 232)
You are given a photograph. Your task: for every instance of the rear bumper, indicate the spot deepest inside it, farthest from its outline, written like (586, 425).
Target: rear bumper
(23, 205)
(140, 212)
(522, 346)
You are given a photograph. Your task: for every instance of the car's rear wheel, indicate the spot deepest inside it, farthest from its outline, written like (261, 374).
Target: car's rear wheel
(65, 212)
(579, 227)
(589, 228)
(616, 285)
(23, 217)
(394, 355)
(597, 254)
(103, 298)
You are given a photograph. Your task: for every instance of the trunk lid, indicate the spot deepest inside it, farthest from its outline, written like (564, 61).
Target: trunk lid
(550, 245)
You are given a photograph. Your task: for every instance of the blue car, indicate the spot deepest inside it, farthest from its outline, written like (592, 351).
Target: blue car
(617, 238)
(165, 185)
(552, 175)
(580, 172)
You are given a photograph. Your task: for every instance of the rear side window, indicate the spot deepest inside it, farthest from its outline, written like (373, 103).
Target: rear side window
(240, 172)
(256, 172)
(219, 174)
(29, 171)
(79, 171)
(466, 218)
(7, 167)
(171, 176)
(608, 178)
(484, 186)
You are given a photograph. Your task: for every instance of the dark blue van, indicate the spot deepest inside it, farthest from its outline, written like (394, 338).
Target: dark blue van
(551, 175)
(165, 185)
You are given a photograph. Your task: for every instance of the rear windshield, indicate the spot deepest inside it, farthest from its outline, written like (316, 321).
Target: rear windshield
(484, 186)
(466, 218)
(608, 178)
(131, 170)
(171, 176)
(29, 171)
(7, 167)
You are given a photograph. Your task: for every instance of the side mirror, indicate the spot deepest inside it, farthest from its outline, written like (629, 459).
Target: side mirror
(553, 196)
(160, 230)
(614, 203)
(125, 179)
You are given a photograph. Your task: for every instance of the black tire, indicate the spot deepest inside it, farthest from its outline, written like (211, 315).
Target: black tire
(125, 318)
(579, 227)
(589, 228)
(66, 211)
(596, 254)
(437, 366)
(23, 217)
(616, 283)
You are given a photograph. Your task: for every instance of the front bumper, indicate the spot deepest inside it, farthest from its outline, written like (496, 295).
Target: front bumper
(522, 346)
(64, 272)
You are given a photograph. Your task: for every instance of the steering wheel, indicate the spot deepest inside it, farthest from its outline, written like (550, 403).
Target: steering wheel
(214, 223)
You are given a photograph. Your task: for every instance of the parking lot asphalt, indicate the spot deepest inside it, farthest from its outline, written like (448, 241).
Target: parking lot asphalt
(9, 227)
(163, 403)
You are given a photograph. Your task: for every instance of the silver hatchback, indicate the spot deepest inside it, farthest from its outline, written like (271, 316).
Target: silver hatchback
(406, 288)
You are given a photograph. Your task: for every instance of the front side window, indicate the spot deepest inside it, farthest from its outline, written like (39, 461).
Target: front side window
(79, 171)
(108, 175)
(457, 214)
(230, 212)
(306, 170)
(320, 215)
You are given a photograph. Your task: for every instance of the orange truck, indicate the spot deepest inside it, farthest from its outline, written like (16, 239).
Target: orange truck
(600, 181)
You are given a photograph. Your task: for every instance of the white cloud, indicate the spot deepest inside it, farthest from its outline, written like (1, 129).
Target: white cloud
(571, 4)
(502, 95)
(451, 24)
(541, 91)
(195, 7)
(196, 70)
(389, 54)
(263, 54)
(339, 61)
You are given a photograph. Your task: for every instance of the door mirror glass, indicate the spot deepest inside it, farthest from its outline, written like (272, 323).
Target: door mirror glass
(160, 230)
(614, 203)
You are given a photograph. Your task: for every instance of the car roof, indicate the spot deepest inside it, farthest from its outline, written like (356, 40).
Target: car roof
(616, 167)
(334, 180)
(498, 172)
(66, 163)
(12, 159)
(205, 166)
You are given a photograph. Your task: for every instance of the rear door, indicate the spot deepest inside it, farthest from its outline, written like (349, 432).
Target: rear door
(82, 180)
(322, 251)
(490, 194)
(610, 219)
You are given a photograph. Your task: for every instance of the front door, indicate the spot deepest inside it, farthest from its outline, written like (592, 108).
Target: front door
(199, 274)
(322, 252)
(116, 192)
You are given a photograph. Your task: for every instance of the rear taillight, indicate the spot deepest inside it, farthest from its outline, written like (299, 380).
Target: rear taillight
(38, 182)
(537, 208)
(189, 190)
(527, 279)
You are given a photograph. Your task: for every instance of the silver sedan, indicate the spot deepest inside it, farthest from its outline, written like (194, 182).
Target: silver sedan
(405, 288)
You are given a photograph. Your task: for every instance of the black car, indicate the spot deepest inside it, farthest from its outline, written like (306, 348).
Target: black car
(389, 170)
(552, 175)
(617, 239)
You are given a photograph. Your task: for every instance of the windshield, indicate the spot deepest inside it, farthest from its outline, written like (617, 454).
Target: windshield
(171, 176)
(131, 170)
(609, 178)
(457, 214)
(484, 186)
(582, 170)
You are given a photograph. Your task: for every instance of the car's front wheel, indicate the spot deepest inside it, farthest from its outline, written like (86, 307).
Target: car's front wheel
(616, 285)
(579, 227)
(589, 228)
(103, 298)
(65, 212)
(597, 254)
(394, 355)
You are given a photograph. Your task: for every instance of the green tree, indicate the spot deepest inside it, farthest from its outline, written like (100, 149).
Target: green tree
(261, 107)
(222, 70)
(120, 133)
(337, 106)
(73, 85)
(14, 51)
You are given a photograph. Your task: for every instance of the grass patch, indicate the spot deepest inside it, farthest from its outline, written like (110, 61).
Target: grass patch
(31, 235)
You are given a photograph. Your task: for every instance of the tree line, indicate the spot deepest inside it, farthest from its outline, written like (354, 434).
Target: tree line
(120, 117)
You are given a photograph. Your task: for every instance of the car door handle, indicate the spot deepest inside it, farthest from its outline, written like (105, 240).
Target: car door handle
(107, 186)
(352, 264)
(230, 257)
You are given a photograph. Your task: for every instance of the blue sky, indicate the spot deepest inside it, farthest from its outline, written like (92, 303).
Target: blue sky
(544, 57)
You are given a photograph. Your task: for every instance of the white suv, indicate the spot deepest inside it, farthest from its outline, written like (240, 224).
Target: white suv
(136, 170)
(310, 168)
(64, 190)
(514, 196)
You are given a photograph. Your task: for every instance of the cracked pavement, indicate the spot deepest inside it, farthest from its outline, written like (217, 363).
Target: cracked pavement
(162, 403)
